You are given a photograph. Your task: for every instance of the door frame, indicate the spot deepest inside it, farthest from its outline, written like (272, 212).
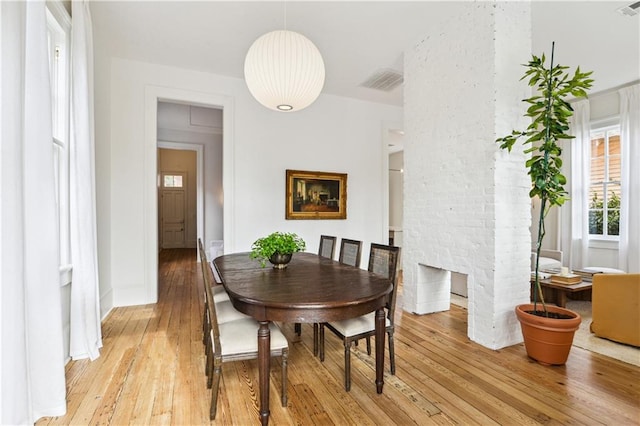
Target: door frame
(153, 95)
(387, 127)
(199, 149)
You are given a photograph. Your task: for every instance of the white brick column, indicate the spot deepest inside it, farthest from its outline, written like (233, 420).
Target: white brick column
(466, 204)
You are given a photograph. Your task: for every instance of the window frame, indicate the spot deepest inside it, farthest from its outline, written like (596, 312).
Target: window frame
(173, 176)
(59, 39)
(606, 126)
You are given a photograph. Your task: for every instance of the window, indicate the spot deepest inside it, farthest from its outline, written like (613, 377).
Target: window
(58, 34)
(604, 183)
(172, 181)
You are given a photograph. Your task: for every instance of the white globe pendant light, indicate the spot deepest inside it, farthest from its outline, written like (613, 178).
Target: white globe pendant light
(284, 71)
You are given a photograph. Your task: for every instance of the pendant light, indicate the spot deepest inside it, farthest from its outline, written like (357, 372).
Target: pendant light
(284, 70)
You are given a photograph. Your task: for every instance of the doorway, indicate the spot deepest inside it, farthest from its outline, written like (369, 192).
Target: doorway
(158, 134)
(190, 139)
(395, 144)
(173, 206)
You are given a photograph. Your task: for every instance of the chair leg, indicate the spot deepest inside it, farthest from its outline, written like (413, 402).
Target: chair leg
(208, 365)
(392, 355)
(205, 325)
(369, 346)
(315, 339)
(217, 372)
(321, 343)
(347, 365)
(285, 362)
(298, 328)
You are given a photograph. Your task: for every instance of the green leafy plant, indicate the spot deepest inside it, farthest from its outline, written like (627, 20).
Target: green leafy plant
(277, 242)
(549, 112)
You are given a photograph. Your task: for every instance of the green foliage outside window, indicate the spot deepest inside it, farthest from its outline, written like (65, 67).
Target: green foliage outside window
(596, 215)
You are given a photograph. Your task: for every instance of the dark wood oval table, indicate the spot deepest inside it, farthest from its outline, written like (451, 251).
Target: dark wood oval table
(311, 289)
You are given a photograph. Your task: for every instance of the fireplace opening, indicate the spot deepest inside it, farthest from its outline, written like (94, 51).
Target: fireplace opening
(439, 288)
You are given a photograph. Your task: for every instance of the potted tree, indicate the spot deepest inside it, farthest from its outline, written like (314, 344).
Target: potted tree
(277, 248)
(549, 112)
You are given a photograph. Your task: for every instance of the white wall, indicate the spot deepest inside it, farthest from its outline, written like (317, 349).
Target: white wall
(102, 112)
(334, 134)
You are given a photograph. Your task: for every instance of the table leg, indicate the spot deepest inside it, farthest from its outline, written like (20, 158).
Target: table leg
(264, 359)
(380, 349)
(561, 298)
(315, 339)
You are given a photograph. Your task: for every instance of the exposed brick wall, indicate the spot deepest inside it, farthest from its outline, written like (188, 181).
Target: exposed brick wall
(466, 204)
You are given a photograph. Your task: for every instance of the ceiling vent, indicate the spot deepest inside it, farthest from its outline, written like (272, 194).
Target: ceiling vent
(385, 79)
(631, 10)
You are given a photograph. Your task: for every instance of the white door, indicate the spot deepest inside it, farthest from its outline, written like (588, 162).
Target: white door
(173, 203)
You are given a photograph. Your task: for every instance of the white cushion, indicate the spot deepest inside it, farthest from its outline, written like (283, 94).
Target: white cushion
(362, 324)
(225, 312)
(602, 270)
(548, 263)
(241, 336)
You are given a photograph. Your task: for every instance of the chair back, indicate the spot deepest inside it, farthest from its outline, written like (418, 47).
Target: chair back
(350, 252)
(210, 304)
(383, 260)
(327, 246)
(203, 263)
(204, 260)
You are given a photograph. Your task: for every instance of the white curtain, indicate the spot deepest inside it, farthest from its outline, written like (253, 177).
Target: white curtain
(575, 237)
(86, 335)
(32, 364)
(629, 246)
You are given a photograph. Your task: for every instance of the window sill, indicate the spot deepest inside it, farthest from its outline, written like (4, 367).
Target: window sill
(603, 244)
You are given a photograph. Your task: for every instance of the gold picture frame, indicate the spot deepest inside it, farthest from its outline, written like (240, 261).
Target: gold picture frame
(316, 195)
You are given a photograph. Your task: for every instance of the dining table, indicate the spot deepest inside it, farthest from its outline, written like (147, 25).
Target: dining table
(311, 289)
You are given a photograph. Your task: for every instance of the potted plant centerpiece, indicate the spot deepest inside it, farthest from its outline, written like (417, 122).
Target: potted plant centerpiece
(549, 112)
(277, 248)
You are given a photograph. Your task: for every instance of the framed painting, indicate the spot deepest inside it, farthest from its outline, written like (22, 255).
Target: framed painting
(316, 195)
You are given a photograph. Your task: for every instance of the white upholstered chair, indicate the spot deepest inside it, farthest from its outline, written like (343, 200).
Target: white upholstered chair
(383, 260)
(234, 340)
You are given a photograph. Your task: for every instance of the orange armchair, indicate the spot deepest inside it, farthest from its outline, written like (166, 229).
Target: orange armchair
(616, 307)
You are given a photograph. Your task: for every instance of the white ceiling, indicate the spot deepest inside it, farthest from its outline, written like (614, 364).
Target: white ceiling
(355, 38)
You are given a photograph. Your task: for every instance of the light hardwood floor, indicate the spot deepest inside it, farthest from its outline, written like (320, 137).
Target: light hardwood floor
(151, 372)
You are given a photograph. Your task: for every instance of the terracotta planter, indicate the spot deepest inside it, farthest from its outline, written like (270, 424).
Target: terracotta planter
(547, 340)
(280, 261)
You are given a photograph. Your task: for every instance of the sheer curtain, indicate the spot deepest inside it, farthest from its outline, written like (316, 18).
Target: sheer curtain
(575, 237)
(86, 336)
(629, 246)
(32, 364)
